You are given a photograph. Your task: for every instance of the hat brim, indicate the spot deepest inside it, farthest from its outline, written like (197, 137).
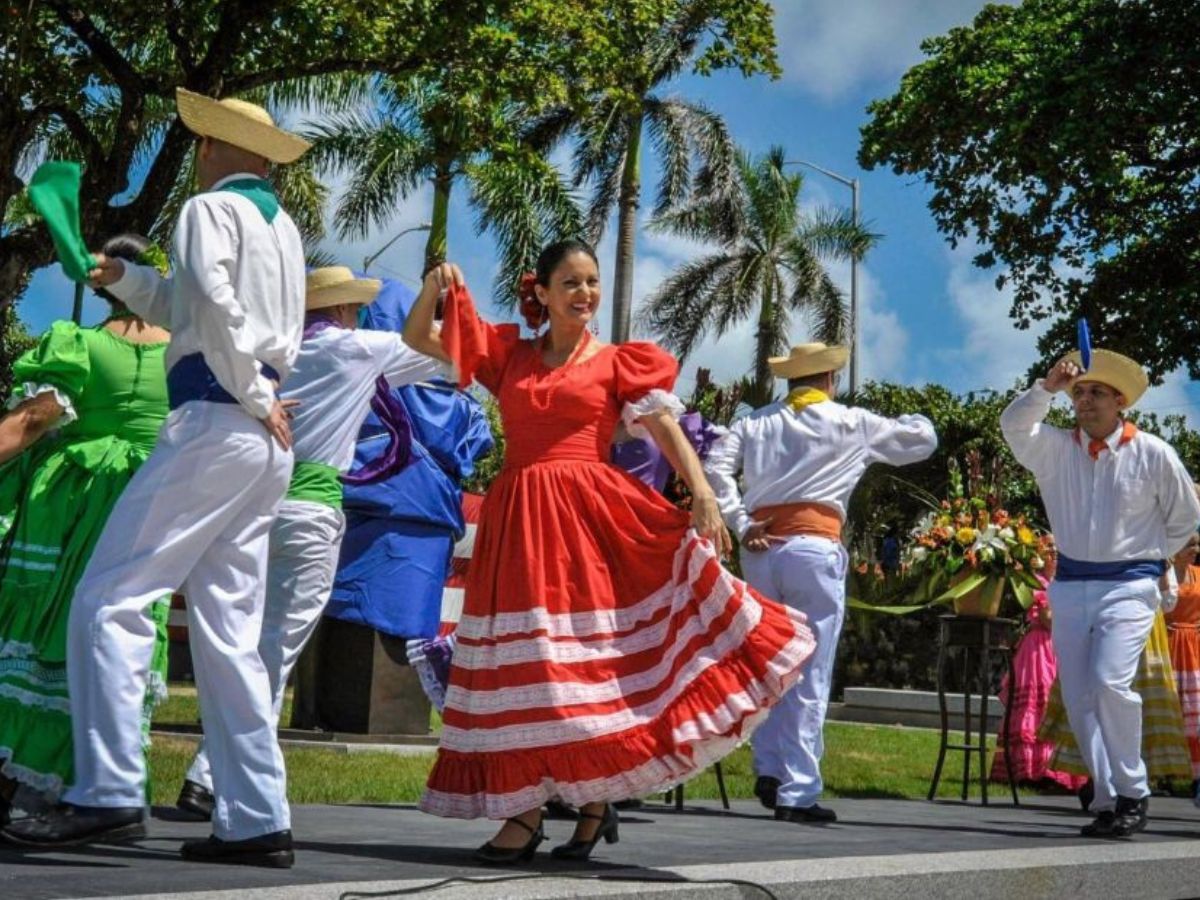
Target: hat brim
(831, 359)
(206, 117)
(1119, 372)
(360, 290)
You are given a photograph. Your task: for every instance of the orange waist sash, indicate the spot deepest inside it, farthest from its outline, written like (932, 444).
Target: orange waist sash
(788, 519)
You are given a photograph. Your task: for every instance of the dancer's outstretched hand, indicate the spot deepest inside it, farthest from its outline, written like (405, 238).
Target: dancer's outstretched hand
(442, 276)
(276, 423)
(706, 519)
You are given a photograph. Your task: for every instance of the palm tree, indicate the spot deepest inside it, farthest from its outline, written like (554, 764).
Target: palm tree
(415, 131)
(770, 264)
(610, 137)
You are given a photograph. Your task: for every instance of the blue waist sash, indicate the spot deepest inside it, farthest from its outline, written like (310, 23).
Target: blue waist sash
(1124, 570)
(192, 379)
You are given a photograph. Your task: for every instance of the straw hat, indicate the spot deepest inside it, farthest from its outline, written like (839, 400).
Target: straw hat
(238, 123)
(1119, 372)
(335, 285)
(809, 359)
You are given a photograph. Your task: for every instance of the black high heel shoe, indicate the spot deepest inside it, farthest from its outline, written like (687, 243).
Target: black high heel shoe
(575, 849)
(506, 856)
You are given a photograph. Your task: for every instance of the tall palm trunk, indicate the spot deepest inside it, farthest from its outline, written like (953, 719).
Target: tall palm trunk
(764, 345)
(436, 245)
(627, 208)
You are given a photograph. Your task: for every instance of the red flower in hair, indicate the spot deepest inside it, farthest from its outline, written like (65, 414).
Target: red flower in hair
(531, 308)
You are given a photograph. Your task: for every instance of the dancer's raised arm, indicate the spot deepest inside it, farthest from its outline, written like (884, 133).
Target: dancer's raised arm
(420, 333)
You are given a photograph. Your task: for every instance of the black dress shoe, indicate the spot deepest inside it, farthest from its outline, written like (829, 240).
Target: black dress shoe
(197, 800)
(1101, 826)
(1086, 794)
(607, 830)
(506, 856)
(765, 789)
(271, 851)
(70, 826)
(812, 815)
(1131, 816)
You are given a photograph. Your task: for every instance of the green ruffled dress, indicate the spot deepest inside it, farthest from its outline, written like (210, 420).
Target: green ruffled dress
(54, 500)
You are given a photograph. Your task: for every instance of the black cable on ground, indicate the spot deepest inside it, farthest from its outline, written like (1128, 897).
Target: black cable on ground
(542, 876)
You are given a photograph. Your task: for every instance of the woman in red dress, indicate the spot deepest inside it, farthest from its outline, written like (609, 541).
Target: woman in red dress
(603, 652)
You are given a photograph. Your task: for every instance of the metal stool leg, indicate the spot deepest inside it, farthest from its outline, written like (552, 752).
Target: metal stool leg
(968, 729)
(721, 785)
(941, 691)
(1012, 778)
(984, 685)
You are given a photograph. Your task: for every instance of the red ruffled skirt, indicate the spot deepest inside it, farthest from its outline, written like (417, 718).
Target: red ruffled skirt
(603, 652)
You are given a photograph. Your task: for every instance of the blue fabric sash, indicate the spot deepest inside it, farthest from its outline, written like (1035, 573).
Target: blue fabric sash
(192, 379)
(1124, 570)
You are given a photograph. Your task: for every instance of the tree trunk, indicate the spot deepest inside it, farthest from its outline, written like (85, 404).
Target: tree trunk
(21, 253)
(436, 246)
(764, 345)
(627, 209)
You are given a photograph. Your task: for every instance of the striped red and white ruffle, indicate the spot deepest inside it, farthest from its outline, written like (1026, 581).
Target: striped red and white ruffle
(681, 678)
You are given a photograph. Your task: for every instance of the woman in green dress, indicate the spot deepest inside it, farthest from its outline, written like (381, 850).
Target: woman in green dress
(85, 412)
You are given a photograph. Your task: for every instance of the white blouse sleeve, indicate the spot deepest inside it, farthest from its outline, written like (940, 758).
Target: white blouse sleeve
(652, 402)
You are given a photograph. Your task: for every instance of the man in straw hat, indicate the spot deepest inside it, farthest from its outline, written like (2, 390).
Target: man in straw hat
(800, 459)
(197, 515)
(340, 375)
(1120, 504)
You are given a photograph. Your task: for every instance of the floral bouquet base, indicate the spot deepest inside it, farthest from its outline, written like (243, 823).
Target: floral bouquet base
(981, 601)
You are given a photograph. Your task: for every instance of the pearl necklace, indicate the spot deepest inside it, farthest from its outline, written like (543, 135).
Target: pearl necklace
(555, 375)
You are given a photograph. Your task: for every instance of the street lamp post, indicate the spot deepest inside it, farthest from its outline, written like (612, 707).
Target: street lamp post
(424, 226)
(851, 183)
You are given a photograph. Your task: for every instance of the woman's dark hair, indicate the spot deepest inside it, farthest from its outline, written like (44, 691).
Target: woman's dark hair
(129, 247)
(548, 260)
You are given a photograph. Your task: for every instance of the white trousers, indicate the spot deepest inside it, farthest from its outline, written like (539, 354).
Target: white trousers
(305, 541)
(808, 574)
(195, 517)
(1100, 629)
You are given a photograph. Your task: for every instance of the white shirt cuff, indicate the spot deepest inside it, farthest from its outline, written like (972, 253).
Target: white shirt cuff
(29, 390)
(655, 400)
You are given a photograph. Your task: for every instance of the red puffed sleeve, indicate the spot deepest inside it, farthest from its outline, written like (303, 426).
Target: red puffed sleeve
(479, 349)
(645, 378)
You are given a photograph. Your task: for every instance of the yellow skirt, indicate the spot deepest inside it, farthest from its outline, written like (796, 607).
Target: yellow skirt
(1164, 742)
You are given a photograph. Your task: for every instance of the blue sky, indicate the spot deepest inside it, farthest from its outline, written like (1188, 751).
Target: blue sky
(926, 313)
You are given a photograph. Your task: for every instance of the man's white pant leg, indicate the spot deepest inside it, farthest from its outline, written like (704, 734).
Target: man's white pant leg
(808, 574)
(226, 596)
(1099, 631)
(1122, 628)
(172, 509)
(305, 541)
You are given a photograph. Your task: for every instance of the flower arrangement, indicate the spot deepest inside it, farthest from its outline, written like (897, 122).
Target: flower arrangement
(969, 549)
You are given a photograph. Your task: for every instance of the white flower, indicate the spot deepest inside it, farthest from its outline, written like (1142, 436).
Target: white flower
(919, 554)
(989, 538)
(1008, 534)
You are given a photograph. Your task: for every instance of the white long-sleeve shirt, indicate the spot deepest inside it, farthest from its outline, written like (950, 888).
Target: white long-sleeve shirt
(235, 294)
(334, 380)
(816, 455)
(1135, 501)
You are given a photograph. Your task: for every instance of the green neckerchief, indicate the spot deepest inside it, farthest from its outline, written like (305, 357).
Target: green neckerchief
(54, 192)
(317, 483)
(259, 192)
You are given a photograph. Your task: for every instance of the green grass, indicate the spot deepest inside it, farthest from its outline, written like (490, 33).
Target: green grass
(860, 761)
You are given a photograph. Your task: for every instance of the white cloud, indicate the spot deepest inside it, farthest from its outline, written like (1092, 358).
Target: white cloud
(993, 352)
(831, 47)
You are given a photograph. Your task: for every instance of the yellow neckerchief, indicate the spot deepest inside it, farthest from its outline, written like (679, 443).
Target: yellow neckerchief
(802, 397)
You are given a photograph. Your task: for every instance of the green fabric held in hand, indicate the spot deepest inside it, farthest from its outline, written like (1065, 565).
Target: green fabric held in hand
(54, 192)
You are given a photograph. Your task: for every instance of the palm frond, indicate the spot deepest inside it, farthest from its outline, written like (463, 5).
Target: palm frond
(668, 129)
(386, 163)
(686, 306)
(525, 203)
(304, 196)
(833, 234)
